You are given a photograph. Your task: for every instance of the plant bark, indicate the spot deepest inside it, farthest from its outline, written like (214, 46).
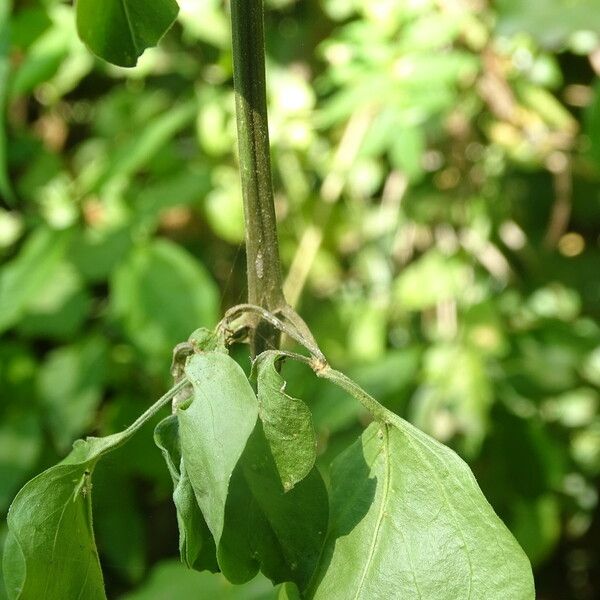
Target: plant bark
(262, 247)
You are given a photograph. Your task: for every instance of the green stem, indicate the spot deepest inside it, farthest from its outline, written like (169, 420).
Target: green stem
(262, 248)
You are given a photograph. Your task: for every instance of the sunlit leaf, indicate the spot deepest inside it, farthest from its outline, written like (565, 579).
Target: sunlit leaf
(409, 520)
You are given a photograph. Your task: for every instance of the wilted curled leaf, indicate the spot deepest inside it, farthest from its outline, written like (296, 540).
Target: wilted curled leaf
(287, 423)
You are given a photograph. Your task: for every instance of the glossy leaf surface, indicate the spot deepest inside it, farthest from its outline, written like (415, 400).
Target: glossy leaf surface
(120, 30)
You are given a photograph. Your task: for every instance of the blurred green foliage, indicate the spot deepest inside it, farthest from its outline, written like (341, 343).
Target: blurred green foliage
(437, 171)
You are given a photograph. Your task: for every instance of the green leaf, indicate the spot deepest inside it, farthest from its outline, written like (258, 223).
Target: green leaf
(170, 579)
(409, 520)
(70, 388)
(287, 527)
(120, 30)
(287, 423)
(50, 551)
(20, 446)
(196, 544)
(23, 277)
(60, 307)
(128, 158)
(214, 428)
(6, 190)
(550, 22)
(50, 524)
(254, 523)
(162, 293)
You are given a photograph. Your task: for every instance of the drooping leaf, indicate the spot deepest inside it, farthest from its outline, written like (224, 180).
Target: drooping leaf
(120, 30)
(254, 523)
(287, 423)
(409, 520)
(50, 551)
(214, 428)
(196, 544)
(23, 277)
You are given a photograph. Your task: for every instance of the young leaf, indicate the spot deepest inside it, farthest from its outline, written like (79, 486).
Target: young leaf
(287, 423)
(120, 30)
(196, 544)
(409, 520)
(255, 524)
(51, 552)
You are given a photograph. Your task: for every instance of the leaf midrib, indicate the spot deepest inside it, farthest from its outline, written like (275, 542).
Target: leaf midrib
(130, 27)
(380, 516)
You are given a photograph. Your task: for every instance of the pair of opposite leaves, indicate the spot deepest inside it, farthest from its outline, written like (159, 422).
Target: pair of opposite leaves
(406, 518)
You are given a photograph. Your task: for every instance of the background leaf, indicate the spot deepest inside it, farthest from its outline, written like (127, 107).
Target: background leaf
(162, 294)
(23, 278)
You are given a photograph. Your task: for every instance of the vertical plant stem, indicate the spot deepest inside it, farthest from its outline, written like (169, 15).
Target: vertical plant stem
(262, 247)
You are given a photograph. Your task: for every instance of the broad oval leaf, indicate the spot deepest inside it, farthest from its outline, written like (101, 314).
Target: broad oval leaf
(408, 520)
(287, 423)
(120, 30)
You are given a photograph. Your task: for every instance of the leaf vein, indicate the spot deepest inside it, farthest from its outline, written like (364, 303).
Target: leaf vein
(384, 500)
